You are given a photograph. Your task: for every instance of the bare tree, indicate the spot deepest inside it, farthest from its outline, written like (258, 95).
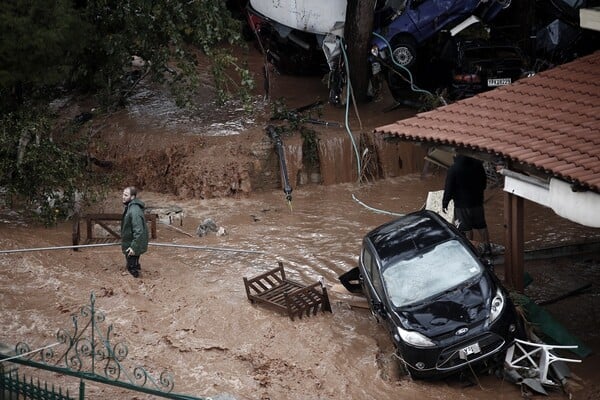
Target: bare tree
(357, 34)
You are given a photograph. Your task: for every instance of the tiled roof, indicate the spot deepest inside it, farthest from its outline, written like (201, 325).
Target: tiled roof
(550, 122)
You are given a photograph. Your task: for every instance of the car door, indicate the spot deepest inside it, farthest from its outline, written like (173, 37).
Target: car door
(430, 16)
(371, 282)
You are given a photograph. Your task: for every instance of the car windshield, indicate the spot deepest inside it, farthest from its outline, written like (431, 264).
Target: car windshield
(441, 268)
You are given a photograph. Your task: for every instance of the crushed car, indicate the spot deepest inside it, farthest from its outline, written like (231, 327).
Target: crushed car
(442, 304)
(404, 26)
(479, 65)
(291, 33)
(296, 37)
(559, 36)
(462, 62)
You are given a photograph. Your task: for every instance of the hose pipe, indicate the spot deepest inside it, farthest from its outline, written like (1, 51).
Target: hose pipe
(276, 138)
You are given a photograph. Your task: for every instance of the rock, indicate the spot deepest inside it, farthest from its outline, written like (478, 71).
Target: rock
(208, 225)
(221, 231)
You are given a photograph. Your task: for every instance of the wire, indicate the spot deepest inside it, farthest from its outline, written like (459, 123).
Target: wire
(411, 81)
(30, 352)
(205, 248)
(58, 247)
(118, 244)
(347, 125)
(375, 209)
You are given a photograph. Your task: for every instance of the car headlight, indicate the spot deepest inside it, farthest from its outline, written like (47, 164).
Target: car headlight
(378, 53)
(497, 306)
(375, 68)
(415, 338)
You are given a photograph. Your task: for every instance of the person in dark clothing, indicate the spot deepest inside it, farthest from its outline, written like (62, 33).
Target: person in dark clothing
(134, 231)
(465, 183)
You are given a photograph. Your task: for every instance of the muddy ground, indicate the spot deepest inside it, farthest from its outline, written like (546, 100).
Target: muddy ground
(189, 314)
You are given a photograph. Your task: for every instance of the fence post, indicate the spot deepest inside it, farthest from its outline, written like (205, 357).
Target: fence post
(81, 389)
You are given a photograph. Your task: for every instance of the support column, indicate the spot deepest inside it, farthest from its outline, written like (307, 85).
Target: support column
(514, 241)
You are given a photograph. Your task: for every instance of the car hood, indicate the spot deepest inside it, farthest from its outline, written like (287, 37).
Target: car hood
(465, 306)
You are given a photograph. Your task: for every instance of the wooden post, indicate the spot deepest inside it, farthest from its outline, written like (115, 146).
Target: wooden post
(76, 234)
(152, 218)
(514, 238)
(89, 232)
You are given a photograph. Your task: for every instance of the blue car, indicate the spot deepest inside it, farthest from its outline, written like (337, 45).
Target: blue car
(402, 26)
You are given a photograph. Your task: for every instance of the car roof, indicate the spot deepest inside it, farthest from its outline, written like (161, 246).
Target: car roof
(410, 234)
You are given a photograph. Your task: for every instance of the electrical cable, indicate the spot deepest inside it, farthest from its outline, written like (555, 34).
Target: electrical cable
(375, 209)
(118, 244)
(347, 125)
(411, 81)
(30, 352)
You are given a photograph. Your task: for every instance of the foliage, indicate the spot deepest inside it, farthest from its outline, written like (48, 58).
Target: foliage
(38, 44)
(296, 121)
(164, 36)
(50, 176)
(51, 47)
(225, 84)
(90, 44)
(431, 101)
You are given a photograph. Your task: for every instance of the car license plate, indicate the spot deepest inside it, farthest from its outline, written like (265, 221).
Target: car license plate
(499, 82)
(467, 351)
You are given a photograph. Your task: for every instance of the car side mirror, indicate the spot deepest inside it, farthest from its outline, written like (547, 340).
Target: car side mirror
(488, 264)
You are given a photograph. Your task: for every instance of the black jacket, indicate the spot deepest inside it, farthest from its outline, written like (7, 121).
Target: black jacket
(465, 183)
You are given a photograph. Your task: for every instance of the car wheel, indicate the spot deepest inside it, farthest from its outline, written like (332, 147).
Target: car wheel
(404, 51)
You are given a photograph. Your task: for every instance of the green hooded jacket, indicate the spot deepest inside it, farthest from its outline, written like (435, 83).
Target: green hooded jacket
(134, 231)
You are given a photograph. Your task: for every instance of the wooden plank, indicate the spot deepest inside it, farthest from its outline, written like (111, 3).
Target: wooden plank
(107, 228)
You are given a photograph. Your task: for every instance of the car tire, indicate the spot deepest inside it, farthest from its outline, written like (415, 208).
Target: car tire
(404, 51)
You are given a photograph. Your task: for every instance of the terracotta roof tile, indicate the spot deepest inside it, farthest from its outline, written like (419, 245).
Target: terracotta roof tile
(550, 121)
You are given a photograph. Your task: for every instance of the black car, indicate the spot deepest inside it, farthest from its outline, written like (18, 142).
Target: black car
(461, 67)
(481, 65)
(443, 306)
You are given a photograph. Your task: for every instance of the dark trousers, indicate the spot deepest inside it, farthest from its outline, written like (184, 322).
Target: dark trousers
(133, 263)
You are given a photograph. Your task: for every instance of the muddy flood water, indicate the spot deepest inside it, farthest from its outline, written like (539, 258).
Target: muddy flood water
(188, 313)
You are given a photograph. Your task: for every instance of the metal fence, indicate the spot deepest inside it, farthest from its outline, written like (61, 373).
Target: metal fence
(15, 387)
(85, 352)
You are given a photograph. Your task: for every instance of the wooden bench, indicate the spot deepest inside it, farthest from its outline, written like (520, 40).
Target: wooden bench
(103, 220)
(273, 289)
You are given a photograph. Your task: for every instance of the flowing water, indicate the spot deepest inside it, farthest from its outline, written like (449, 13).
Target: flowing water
(189, 314)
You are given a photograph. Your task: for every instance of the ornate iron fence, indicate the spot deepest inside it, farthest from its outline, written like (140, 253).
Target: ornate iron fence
(86, 352)
(14, 386)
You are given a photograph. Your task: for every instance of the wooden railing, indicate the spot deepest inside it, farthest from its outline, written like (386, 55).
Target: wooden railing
(104, 220)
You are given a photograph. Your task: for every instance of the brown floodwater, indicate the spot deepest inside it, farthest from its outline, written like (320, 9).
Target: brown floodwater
(189, 314)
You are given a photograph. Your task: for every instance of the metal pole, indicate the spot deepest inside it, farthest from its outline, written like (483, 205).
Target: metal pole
(185, 246)
(58, 247)
(118, 244)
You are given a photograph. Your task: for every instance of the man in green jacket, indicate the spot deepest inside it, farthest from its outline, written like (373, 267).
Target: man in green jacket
(134, 231)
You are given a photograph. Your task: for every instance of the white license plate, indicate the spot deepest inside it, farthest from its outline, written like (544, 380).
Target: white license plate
(467, 351)
(499, 82)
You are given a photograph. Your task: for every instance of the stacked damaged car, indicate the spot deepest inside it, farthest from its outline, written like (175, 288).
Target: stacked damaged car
(306, 38)
(422, 46)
